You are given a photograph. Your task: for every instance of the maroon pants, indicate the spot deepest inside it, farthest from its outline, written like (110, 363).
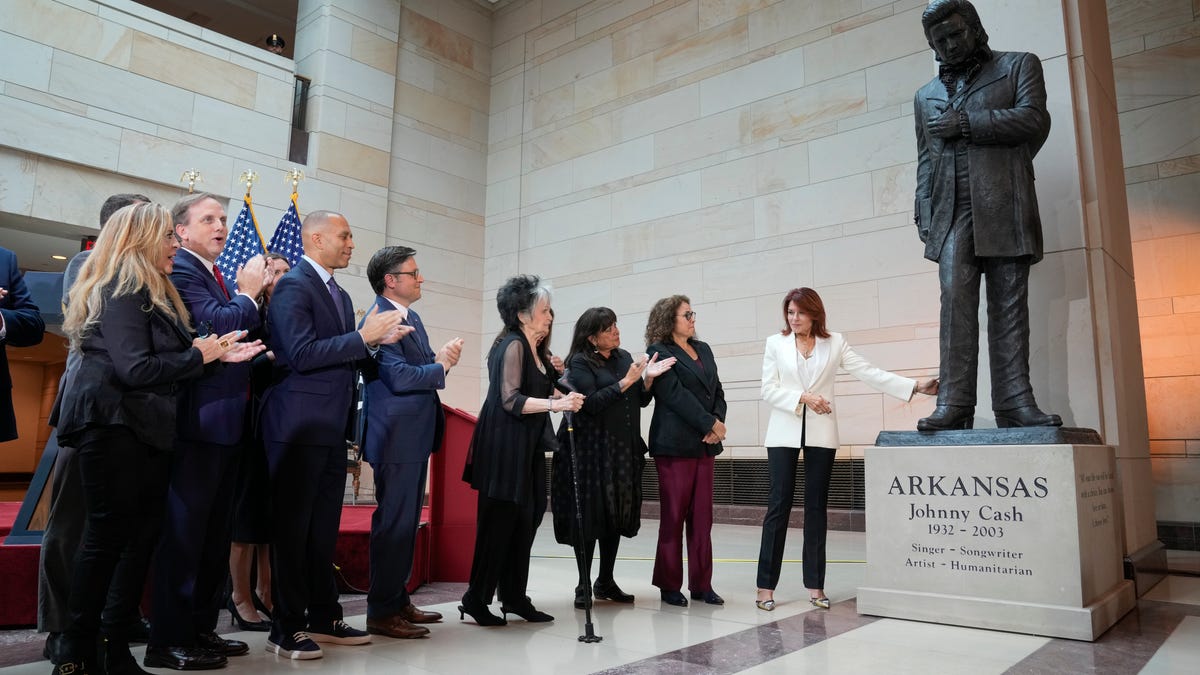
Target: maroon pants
(685, 486)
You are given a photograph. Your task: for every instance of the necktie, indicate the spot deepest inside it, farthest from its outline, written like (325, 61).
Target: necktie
(337, 299)
(220, 281)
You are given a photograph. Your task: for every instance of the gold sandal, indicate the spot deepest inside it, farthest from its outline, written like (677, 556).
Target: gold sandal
(766, 605)
(821, 602)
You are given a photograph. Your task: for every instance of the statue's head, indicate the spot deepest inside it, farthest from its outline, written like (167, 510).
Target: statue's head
(954, 30)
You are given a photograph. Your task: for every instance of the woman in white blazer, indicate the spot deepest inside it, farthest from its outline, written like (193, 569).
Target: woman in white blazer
(799, 367)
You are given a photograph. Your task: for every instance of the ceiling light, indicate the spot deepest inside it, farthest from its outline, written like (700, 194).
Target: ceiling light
(59, 257)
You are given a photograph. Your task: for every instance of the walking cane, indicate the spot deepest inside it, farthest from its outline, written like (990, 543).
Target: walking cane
(589, 634)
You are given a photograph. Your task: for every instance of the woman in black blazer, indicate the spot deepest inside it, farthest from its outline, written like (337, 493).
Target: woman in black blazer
(685, 434)
(132, 330)
(507, 459)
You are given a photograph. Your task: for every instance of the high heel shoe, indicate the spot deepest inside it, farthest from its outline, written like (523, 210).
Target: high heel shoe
(526, 611)
(242, 624)
(482, 615)
(260, 605)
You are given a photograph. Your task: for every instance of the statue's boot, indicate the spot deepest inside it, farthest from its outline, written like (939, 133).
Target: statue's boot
(946, 417)
(1026, 416)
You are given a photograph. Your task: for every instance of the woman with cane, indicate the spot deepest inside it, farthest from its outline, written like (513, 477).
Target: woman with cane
(608, 447)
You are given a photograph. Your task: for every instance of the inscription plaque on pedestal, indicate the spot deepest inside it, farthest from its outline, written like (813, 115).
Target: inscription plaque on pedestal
(1022, 538)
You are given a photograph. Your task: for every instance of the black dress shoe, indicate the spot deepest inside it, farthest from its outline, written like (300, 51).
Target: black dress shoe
(526, 611)
(138, 631)
(609, 590)
(1026, 416)
(581, 597)
(478, 611)
(219, 645)
(673, 598)
(947, 417)
(709, 597)
(183, 658)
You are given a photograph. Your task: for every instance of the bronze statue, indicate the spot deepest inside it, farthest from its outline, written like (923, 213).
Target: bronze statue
(979, 124)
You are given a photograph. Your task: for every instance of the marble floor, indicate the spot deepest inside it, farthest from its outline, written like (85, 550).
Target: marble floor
(1161, 636)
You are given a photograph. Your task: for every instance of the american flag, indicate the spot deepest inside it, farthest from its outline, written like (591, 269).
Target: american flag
(286, 241)
(243, 242)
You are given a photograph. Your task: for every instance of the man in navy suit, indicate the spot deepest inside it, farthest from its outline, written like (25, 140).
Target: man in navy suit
(305, 415)
(404, 425)
(21, 325)
(193, 554)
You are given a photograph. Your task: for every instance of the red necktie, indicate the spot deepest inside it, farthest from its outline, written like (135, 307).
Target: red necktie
(220, 281)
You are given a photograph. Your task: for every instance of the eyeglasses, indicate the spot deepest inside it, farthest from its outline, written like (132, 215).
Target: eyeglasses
(414, 274)
(690, 316)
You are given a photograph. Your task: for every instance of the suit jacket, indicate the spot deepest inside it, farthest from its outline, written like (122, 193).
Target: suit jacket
(23, 328)
(316, 354)
(132, 362)
(403, 409)
(782, 388)
(1006, 109)
(212, 409)
(688, 400)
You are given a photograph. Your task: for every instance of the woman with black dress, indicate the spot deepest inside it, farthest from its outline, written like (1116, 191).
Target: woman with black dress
(249, 548)
(506, 461)
(608, 445)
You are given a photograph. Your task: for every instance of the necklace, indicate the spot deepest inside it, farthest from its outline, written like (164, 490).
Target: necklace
(805, 352)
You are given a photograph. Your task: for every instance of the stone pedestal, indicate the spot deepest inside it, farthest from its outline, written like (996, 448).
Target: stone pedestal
(1021, 538)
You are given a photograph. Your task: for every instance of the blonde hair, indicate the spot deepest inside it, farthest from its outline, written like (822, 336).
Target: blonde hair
(127, 259)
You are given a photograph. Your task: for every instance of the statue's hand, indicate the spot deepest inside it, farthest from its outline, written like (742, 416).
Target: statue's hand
(945, 125)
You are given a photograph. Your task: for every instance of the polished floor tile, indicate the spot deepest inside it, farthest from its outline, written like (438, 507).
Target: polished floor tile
(1161, 636)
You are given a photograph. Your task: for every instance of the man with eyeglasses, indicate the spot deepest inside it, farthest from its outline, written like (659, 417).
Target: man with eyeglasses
(404, 425)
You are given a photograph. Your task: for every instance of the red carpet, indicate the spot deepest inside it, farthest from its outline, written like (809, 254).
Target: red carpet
(19, 564)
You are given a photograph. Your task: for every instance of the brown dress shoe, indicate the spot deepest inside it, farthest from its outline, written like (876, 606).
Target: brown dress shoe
(414, 615)
(395, 626)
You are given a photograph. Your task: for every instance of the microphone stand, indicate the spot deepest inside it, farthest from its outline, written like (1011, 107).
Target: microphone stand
(589, 634)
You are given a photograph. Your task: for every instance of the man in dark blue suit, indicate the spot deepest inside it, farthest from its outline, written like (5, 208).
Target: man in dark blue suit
(305, 416)
(193, 555)
(404, 425)
(21, 325)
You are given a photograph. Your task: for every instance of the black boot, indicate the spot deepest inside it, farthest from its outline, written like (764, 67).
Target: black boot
(116, 659)
(946, 417)
(1026, 416)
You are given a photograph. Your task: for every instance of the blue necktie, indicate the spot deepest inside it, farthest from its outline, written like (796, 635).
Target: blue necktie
(337, 300)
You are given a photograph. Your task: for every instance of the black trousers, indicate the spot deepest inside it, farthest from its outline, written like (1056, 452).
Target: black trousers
(818, 470)
(60, 546)
(124, 489)
(504, 534)
(399, 494)
(959, 274)
(308, 486)
(609, 543)
(193, 557)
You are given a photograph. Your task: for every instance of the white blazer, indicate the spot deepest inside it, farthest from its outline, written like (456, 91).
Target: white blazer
(782, 388)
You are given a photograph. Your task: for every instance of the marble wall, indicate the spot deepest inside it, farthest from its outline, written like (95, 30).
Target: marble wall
(630, 149)
(731, 150)
(438, 168)
(1156, 62)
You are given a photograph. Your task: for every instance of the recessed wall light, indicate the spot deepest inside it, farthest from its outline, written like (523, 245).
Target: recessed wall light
(59, 257)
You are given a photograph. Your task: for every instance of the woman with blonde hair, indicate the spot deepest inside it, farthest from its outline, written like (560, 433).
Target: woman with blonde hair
(133, 334)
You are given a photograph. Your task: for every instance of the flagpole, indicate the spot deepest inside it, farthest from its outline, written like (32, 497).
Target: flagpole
(250, 177)
(192, 176)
